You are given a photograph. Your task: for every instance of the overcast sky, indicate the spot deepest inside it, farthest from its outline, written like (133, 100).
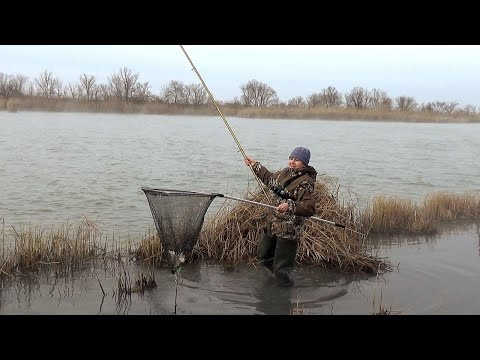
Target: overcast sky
(426, 72)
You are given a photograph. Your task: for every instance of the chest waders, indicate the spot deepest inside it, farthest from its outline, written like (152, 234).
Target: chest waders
(277, 249)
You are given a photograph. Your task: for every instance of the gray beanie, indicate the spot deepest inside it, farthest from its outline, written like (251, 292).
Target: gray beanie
(302, 154)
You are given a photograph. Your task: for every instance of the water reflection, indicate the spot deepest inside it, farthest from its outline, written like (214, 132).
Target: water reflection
(448, 270)
(273, 299)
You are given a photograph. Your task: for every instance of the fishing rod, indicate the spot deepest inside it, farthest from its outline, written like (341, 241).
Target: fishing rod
(249, 202)
(262, 186)
(274, 207)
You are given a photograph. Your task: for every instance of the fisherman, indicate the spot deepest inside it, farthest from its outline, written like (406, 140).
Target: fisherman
(293, 189)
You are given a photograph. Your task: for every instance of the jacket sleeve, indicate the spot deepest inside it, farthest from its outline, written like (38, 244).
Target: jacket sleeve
(304, 204)
(263, 173)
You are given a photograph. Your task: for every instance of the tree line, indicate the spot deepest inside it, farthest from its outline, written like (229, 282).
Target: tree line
(125, 86)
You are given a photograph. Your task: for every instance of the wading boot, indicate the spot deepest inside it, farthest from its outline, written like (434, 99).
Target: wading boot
(284, 260)
(266, 250)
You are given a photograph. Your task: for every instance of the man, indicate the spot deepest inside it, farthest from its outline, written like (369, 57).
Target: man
(292, 189)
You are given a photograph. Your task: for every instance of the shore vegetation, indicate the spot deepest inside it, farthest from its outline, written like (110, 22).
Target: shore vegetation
(123, 92)
(231, 236)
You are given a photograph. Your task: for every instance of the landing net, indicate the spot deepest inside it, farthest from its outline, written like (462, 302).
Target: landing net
(178, 216)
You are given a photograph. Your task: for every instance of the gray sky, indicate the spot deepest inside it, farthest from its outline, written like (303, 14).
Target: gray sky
(426, 72)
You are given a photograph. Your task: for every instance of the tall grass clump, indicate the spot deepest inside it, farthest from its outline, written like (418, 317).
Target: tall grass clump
(233, 234)
(392, 215)
(149, 249)
(66, 247)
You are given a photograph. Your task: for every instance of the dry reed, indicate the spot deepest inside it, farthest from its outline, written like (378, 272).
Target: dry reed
(278, 111)
(66, 247)
(232, 235)
(391, 215)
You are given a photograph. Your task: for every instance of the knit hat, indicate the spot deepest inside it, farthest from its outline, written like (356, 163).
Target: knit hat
(302, 154)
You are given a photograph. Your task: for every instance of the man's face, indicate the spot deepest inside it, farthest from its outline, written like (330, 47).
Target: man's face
(294, 163)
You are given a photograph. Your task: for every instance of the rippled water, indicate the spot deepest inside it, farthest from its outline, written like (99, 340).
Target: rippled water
(56, 167)
(62, 166)
(435, 275)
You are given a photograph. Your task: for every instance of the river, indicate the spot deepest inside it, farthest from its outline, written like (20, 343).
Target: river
(58, 167)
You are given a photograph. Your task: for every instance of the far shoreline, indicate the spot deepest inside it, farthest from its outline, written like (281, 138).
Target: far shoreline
(233, 110)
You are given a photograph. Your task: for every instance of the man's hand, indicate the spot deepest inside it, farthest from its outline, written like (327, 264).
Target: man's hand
(282, 207)
(249, 161)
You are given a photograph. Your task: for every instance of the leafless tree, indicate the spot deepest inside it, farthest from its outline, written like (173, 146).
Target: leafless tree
(405, 103)
(378, 100)
(469, 110)
(439, 107)
(142, 93)
(30, 88)
(357, 98)
(73, 91)
(327, 97)
(331, 96)
(123, 83)
(12, 85)
(449, 107)
(256, 93)
(314, 99)
(3, 84)
(87, 83)
(296, 101)
(197, 94)
(174, 92)
(104, 92)
(47, 84)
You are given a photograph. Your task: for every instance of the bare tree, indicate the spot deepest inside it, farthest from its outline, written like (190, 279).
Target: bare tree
(74, 91)
(58, 90)
(357, 98)
(47, 84)
(3, 84)
(327, 97)
(405, 103)
(196, 94)
(12, 85)
(314, 99)
(123, 83)
(256, 93)
(104, 92)
(439, 107)
(378, 100)
(141, 92)
(331, 97)
(87, 83)
(296, 101)
(469, 109)
(450, 106)
(174, 92)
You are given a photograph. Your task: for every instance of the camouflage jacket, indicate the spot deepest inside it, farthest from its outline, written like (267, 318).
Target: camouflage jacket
(294, 187)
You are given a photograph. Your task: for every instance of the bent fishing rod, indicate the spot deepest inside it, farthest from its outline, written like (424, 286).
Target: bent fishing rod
(262, 186)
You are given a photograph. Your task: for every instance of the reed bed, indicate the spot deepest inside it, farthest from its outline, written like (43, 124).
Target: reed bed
(67, 247)
(279, 111)
(392, 215)
(231, 236)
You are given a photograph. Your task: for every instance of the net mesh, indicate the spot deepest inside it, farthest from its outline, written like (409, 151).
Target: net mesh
(178, 216)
